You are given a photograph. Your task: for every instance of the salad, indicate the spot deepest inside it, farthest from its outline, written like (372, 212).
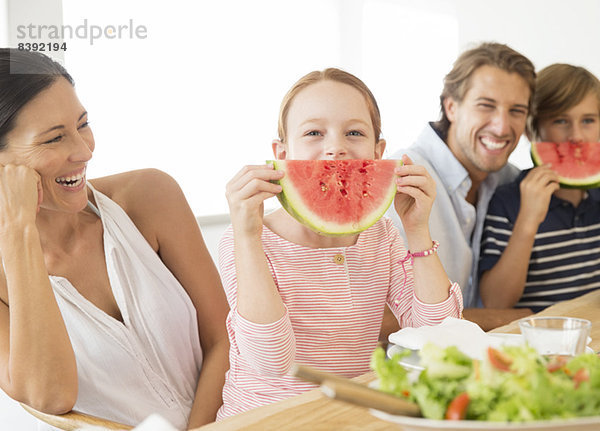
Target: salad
(512, 384)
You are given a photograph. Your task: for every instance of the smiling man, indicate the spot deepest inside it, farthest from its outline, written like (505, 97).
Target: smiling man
(484, 107)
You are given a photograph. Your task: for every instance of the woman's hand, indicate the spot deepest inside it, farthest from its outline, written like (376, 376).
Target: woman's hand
(414, 197)
(246, 194)
(20, 195)
(536, 190)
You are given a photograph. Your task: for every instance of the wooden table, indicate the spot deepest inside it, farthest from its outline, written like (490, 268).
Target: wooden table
(314, 411)
(585, 307)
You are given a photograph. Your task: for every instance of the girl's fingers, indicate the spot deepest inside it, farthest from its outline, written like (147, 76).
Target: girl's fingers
(416, 193)
(259, 198)
(263, 173)
(258, 185)
(406, 160)
(411, 181)
(254, 187)
(423, 183)
(411, 170)
(256, 170)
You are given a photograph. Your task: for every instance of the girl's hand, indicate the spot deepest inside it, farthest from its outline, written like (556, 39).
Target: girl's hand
(414, 197)
(20, 195)
(246, 194)
(536, 190)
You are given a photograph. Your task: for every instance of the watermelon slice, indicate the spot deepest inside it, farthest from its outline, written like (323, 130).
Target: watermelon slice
(337, 197)
(577, 163)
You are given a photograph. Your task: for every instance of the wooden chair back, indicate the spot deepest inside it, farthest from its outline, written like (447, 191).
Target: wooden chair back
(74, 420)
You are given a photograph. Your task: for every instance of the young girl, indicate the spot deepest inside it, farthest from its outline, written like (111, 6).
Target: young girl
(298, 296)
(541, 242)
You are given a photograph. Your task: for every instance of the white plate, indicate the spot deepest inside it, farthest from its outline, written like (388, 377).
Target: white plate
(591, 423)
(412, 362)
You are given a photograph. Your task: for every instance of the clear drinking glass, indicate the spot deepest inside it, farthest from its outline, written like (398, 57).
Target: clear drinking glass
(556, 336)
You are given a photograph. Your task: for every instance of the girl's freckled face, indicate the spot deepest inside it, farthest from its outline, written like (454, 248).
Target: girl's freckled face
(330, 120)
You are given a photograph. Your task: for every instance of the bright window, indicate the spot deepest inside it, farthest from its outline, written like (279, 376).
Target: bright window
(404, 63)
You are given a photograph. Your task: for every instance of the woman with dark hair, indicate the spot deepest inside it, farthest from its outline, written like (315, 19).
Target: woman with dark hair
(109, 300)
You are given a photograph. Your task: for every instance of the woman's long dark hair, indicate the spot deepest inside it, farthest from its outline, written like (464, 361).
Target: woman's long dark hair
(23, 75)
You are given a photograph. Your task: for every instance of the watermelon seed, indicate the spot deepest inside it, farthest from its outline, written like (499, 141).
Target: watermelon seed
(324, 187)
(365, 194)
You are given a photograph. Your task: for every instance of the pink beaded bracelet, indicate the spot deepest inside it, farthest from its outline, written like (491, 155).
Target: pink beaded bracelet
(410, 256)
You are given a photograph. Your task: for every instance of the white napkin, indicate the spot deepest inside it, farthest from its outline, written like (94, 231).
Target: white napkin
(155, 422)
(467, 336)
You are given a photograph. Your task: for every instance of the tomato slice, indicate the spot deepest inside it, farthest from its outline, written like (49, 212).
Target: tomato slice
(581, 375)
(557, 363)
(457, 409)
(500, 360)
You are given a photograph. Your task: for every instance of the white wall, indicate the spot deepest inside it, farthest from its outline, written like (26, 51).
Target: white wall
(3, 23)
(212, 230)
(546, 31)
(25, 12)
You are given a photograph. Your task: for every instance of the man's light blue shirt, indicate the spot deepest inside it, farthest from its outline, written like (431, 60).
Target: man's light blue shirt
(454, 222)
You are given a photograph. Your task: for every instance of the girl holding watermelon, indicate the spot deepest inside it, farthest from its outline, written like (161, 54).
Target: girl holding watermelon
(299, 296)
(541, 242)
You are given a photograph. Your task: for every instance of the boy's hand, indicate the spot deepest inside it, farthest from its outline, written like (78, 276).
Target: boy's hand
(536, 190)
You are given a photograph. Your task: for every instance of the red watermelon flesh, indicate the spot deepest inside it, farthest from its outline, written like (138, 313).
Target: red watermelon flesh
(577, 163)
(337, 197)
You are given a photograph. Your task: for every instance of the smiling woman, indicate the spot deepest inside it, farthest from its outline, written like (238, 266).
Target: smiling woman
(57, 144)
(113, 268)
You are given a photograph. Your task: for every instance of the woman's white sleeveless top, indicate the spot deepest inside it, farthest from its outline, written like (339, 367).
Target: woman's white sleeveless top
(150, 362)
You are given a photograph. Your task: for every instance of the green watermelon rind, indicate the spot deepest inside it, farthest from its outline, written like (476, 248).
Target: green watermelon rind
(305, 216)
(580, 183)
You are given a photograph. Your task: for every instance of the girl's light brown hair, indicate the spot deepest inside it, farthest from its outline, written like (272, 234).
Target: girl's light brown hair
(330, 74)
(559, 87)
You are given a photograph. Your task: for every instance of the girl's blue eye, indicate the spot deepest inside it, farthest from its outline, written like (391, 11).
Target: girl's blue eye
(560, 121)
(355, 133)
(589, 120)
(313, 133)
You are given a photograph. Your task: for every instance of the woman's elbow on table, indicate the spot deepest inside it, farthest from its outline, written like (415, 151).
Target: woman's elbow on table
(54, 394)
(57, 401)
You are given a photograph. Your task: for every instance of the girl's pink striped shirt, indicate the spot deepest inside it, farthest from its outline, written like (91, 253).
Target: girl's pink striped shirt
(335, 298)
